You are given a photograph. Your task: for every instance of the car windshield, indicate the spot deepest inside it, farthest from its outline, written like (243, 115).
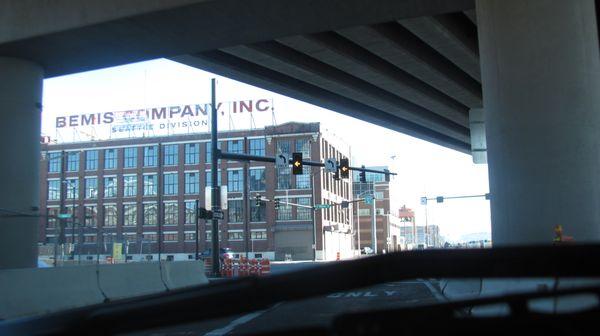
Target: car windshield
(315, 160)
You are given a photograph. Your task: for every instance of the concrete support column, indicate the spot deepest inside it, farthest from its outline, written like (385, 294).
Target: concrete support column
(20, 106)
(541, 97)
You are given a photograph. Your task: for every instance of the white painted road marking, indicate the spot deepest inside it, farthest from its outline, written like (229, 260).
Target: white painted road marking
(244, 319)
(436, 294)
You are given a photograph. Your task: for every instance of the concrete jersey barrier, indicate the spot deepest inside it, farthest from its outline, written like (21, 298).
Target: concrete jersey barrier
(32, 291)
(180, 274)
(132, 279)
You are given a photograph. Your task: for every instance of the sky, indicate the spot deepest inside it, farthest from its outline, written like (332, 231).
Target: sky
(424, 169)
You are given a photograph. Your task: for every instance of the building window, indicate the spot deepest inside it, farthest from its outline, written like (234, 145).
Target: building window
(130, 238)
(257, 179)
(171, 217)
(303, 181)
(258, 235)
(51, 214)
(53, 190)
(235, 209)
(73, 161)
(190, 236)
(303, 146)
(209, 180)
(91, 187)
(150, 156)
(170, 184)
(192, 153)
(110, 158)
(170, 156)
(235, 235)
(54, 162)
(129, 185)
(89, 239)
(150, 185)
(91, 160)
(192, 183)
(72, 188)
(110, 215)
(303, 213)
(91, 215)
(284, 212)
(110, 187)
(364, 212)
(284, 178)
(130, 215)
(257, 147)
(257, 213)
(235, 180)
(150, 214)
(283, 147)
(170, 237)
(149, 237)
(208, 146)
(130, 157)
(208, 235)
(235, 146)
(190, 212)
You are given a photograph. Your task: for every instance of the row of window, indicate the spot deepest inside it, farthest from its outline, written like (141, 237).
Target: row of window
(235, 183)
(146, 237)
(130, 155)
(171, 213)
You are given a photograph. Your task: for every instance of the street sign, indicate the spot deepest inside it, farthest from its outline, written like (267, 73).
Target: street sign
(282, 161)
(208, 197)
(368, 199)
(63, 216)
(331, 165)
(423, 200)
(218, 214)
(322, 206)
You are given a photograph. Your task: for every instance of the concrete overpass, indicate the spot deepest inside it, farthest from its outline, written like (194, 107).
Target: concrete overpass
(417, 67)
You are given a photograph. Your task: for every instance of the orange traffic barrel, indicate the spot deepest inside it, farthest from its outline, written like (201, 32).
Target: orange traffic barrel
(265, 267)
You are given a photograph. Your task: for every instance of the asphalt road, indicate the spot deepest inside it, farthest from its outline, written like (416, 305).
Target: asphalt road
(318, 311)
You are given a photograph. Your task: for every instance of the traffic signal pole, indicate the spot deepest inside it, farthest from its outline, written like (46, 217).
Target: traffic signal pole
(215, 179)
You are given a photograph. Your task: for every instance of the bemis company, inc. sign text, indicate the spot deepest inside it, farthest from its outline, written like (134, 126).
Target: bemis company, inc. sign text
(190, 115)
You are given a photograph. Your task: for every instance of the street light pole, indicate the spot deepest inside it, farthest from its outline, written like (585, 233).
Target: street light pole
(214, 178)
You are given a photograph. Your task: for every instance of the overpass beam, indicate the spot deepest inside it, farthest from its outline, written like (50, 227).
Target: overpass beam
(541, 95)
(20, 122)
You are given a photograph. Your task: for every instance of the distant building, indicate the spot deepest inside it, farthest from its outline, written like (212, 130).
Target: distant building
(428, 235)
(408, 227)
(142, 193)
(388, 225)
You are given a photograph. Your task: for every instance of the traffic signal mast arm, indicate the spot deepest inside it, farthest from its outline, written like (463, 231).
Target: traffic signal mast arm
(248, 157)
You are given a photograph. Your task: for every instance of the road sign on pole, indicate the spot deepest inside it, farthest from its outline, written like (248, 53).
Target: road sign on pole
(322, 206)
(423, 200)
(331, 165)
(218, 214)
(368, 199)
(282, 161)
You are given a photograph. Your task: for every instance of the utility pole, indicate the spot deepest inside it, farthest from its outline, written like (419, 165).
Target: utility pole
(314, 215)
(246, 202)
(197, 228)
(358, 224)
(214, 177)
(374, 223)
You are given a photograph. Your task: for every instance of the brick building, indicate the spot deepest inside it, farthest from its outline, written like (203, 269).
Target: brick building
(129, 190)
(387, 224)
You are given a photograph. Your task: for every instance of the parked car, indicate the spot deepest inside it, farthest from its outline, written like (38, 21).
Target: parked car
(224, 253)
(366, 250)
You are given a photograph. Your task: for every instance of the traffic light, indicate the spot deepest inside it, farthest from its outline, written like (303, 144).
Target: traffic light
(363, 176)
(276, 204)
(297, 164)
(440, 199)
(257, 200)
(336, 175)
(387, 175)
(344, 168)
(345, 204)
